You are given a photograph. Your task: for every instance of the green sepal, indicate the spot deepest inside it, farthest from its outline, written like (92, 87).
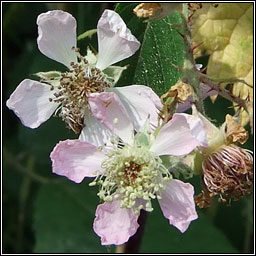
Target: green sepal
(114, 72)
(177, 167)
(48, 75)
(88, 33)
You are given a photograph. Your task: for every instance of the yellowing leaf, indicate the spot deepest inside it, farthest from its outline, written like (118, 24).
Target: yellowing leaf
(226, 33)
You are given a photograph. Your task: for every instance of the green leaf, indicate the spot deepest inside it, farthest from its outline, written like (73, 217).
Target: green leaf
(201, 237)
(162, 48)
(63, 219)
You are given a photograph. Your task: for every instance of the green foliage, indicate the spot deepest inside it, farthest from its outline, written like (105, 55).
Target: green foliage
(45, 213)
(63, 219)
(162, 47)
(201, 237)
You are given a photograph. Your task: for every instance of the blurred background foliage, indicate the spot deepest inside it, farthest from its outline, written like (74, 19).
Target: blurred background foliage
(45, 213)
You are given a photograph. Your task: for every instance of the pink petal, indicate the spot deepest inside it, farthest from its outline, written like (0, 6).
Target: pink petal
(197, 128)
(115, 40)
(57, 36)
(76, 160)
(179, 136)
(113, 224)
(107, 108)
(140, 103)
(95, 132)
(213, 133)
(30, 102)
(178, 204)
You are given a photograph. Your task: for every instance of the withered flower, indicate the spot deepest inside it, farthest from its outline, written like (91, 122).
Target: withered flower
(227, 169)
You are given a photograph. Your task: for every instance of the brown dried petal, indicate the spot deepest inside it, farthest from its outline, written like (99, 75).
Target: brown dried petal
(146, 10)
(234, 131)
(182, 90)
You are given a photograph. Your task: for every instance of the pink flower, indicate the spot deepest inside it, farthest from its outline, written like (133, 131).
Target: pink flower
(67, 93)
(129, 169)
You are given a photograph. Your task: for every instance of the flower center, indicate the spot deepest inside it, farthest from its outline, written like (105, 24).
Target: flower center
(74, 89)
(132, 173)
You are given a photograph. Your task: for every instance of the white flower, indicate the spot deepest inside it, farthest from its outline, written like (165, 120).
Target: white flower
(68, 93)
(129, 170)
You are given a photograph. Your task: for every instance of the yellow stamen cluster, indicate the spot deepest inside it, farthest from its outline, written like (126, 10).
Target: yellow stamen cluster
(132, 173)
(73, 90)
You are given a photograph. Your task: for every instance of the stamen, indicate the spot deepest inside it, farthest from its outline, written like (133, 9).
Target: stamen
(74, 88)
(131, 173)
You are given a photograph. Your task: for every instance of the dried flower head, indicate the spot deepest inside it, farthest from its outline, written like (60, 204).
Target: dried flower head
(228, 172)
(227, 169)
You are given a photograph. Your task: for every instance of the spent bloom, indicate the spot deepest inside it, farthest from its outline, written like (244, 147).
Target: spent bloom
(67, 93)
(227, 169)
(129, 170)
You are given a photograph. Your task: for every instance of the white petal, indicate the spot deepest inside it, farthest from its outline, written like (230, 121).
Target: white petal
(140, 103)
(215, 136)
(197, 128)
(178, 137)
(30, 102)
(115, 40)
(107, 108)
(95, 132)
(76, 160)
(57, 36)
(178, 204)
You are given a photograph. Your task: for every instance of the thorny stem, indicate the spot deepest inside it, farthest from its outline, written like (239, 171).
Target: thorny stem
(229, 80)
(223, 92)
(191, 76)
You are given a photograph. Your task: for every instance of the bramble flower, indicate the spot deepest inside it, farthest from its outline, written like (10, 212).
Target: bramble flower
(129, 170)
(227, 169)
(67, 93)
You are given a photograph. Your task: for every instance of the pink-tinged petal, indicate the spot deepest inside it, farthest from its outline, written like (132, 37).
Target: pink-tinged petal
(113, 224)
(76, 160)
(95, 132)
(115, 40)
(30, 102)
(140, 103)
(178, 204)
(205, 92)
(179, 137)
(197, 128)
(215, 136)
(57, 36)
(108, 109)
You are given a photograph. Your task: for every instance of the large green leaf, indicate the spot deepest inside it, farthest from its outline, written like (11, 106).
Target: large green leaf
(161, 48)
(63, 219)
